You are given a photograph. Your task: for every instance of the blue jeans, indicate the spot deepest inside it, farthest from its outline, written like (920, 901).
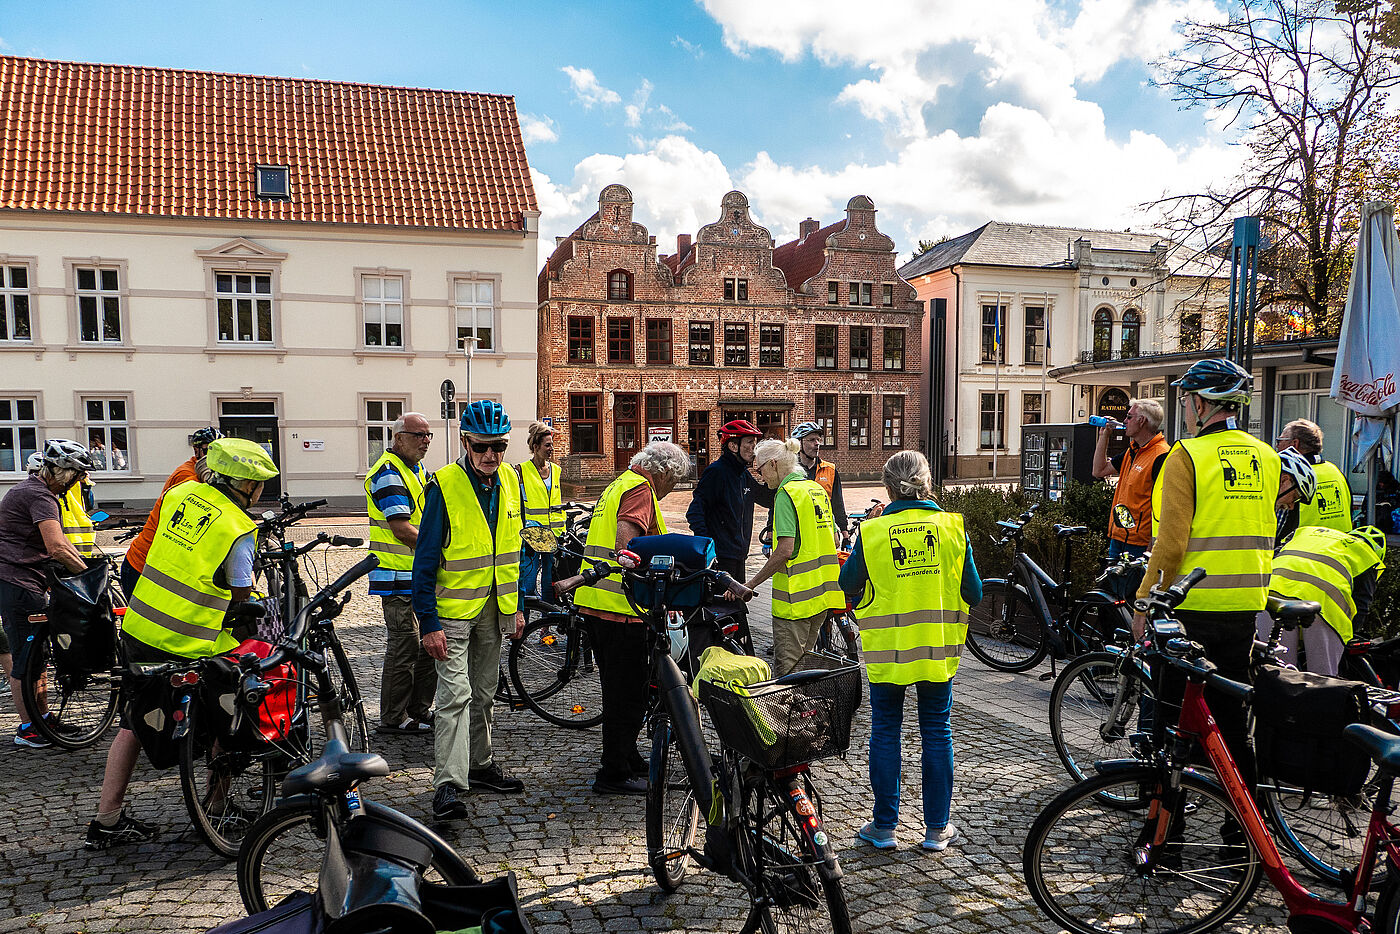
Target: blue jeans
(935, 704)
(537, 574)
(1117, 548)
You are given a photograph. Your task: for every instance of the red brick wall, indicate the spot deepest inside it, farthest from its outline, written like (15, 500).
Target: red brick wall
(574, 282)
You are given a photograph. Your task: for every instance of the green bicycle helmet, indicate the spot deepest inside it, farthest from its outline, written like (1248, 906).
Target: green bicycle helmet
(240, 459)
(1373, 537)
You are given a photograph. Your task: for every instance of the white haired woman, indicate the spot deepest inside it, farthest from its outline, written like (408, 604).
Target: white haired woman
(629, 507)
(803, 564)
(912, 575)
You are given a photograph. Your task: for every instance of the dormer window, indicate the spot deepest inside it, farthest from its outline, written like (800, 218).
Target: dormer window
(274, 182)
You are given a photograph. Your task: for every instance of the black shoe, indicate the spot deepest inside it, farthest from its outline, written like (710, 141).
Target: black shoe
(126, 830)
(639, 766)
(494, 778)
(60, 727)
(625, 786)
(447, 805)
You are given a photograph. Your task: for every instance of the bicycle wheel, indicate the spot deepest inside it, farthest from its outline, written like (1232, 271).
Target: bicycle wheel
(1095, 707)
(80, 706)
(281, 854)
(352, 705)
(1093, 624)
(1004, 631)
(672, 814)
(1081, 858)
(553, 671)
(224, 793)
(790, 894)
(1325, 832)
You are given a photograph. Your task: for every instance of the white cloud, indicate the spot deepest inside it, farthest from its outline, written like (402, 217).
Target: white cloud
(537, 129)
(6, 45)
(638, 106)
(693, 48)
(587, 90)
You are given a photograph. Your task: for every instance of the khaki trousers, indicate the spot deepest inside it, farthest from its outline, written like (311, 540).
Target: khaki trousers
(409, 680)
(466, 695)
(792, 637)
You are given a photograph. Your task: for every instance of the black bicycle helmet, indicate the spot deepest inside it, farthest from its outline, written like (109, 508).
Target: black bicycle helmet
(205, 437)
(487, 418)
(1222, 381)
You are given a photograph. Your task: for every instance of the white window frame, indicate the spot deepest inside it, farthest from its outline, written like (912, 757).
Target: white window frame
(241, 257)
(477, 310)
(897, 441)
(998, 413)
(105, 425)
(122, 293)
(236, 296)
(15, 424)
(367, 456)
(7, 295)
(364, 303)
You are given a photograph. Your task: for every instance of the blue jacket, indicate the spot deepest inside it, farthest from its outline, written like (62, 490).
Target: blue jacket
(722, 506)
(854, 575)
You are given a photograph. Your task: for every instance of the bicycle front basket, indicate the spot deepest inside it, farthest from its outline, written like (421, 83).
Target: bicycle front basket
(782, 725)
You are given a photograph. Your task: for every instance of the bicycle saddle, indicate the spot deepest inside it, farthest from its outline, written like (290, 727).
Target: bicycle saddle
(1067, 531)
(1382, 747)
(1293, 613)
(336, 769)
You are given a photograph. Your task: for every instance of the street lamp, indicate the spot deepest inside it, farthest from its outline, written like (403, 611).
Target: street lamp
(468, 344)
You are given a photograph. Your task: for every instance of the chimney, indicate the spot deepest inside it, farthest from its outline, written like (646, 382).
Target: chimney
(682, 244)
(807, 228)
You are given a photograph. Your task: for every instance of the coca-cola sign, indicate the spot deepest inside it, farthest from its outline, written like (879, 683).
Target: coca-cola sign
(1379, 392)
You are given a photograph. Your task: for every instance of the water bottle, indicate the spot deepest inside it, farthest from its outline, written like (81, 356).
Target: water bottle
(1103, 421)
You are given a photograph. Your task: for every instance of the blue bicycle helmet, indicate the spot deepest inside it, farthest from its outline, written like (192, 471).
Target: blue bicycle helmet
(1222, 381)
(487, 418)
(807, 428)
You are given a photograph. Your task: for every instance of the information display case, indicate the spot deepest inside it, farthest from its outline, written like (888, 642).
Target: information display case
(1053, 455)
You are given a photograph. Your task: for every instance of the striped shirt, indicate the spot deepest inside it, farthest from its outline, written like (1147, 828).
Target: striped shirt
(392, 498)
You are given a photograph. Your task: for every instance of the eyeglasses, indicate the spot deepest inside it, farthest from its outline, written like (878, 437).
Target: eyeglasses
(481, 447)
(425, 435)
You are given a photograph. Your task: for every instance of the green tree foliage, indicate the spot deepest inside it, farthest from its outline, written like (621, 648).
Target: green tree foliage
(1304, 84)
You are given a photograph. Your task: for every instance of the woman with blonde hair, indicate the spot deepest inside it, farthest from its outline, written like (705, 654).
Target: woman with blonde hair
(912, 579)
(803, 564)
(542, 494)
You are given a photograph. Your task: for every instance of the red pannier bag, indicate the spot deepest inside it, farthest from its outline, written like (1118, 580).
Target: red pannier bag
(279, 714)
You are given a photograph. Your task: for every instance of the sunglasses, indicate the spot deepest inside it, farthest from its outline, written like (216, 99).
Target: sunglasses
(427, 435)
(481, 447)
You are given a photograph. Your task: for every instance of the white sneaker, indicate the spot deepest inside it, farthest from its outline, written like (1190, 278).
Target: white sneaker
(939, 840)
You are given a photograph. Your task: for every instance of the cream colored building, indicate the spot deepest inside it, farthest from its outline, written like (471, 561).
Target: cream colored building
(294, 261)
(1057, 297)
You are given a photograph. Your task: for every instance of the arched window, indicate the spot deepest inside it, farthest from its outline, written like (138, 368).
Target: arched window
(1132, 330)
(1103, 334)
(619, 285)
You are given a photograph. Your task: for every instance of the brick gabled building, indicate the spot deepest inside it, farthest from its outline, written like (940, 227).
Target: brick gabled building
(636, 346)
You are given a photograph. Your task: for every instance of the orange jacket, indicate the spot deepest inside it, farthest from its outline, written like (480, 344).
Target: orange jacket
(1130, 520)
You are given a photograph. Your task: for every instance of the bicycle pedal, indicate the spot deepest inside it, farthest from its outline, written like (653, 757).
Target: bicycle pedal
(1047, 676)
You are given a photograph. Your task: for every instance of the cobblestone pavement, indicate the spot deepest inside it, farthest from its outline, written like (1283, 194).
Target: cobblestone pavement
(579, 857)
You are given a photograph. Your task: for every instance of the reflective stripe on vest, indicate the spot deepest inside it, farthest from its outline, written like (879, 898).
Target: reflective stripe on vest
(1331, 505)
(77, 527)
(393, 554)
(542, 504)
(1322, 564)
(1233, 526)
(913, 619)
(176, 606)
(476, 558)
(607, 595)
(807, 585)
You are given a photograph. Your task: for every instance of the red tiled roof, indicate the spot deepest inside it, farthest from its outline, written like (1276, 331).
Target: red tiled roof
(122, 139)
(800, 260)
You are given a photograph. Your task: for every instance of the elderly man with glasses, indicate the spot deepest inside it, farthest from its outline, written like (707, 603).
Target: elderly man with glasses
(394, 499)
(1130, 519)
(466, 595)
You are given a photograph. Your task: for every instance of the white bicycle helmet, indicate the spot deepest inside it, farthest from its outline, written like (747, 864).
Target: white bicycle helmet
(1296, 465)
(63, 454)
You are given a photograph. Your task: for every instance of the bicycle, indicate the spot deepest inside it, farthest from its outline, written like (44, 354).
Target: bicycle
(1158, 846)
(762, 813)
(279, 564)
(69, 674)
(1014, 627)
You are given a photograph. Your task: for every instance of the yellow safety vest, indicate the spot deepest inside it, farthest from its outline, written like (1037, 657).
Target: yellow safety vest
(1322, 564)
(807, 585)
(913, 619)
(1331, 505)
(176, 606)
(607, 594)
(393, 554)
(476, 558)
(77, 526)
(541, 502)
(1233, 528)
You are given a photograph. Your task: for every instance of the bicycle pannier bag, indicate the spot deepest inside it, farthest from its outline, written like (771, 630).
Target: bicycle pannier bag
(149, 702)
(80, 614)
(1298, 723)
(278, 715)
(493, 907)
(298, 913)
(692, 553)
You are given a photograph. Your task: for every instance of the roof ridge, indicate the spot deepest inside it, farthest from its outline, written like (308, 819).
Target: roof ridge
(1133, 233)
(252, 76)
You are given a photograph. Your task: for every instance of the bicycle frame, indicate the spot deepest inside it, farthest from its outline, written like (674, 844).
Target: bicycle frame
(1199, 725)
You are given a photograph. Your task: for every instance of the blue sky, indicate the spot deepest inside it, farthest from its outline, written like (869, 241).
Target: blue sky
(947, 113)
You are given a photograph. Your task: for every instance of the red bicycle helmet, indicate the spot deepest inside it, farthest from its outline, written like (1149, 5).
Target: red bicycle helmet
(738, 428)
